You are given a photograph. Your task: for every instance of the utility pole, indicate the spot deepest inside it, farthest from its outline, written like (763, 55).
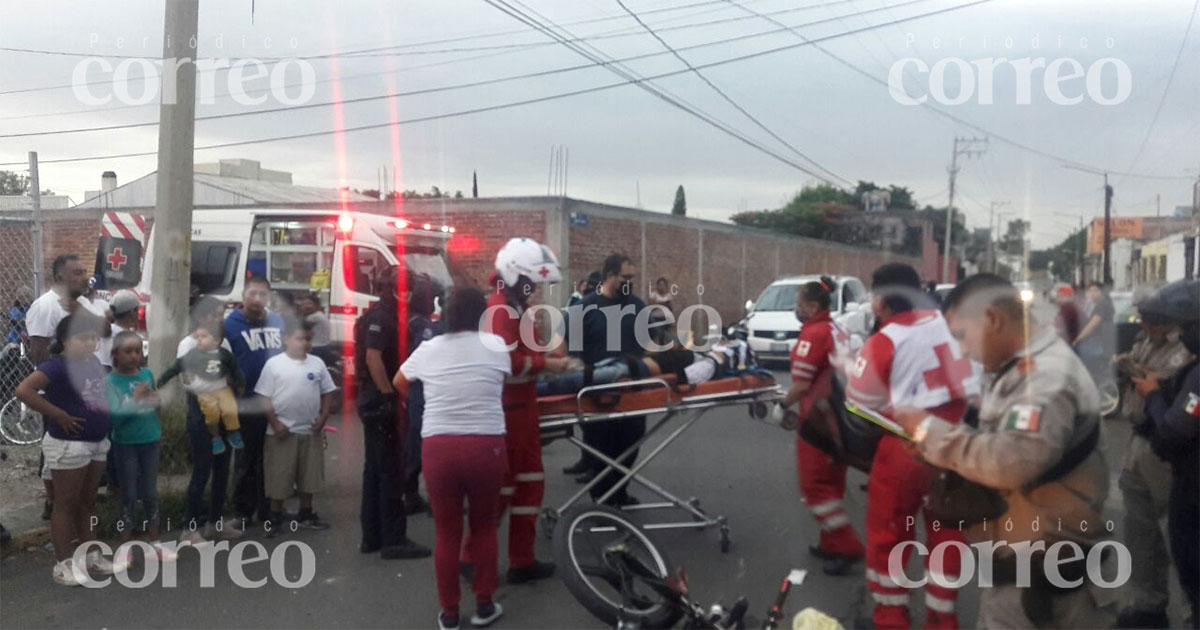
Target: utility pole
(1108, 195)
(174, 199)
(35, 194)
(1158, 204)
(962, 146)
(992, 232)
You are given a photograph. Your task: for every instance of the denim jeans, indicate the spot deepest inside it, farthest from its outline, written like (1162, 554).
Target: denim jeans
(608, 370)
(137, 473)
(205, 466)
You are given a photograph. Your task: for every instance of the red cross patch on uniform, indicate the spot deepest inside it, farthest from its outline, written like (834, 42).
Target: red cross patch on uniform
(803, 348)
(860, 366)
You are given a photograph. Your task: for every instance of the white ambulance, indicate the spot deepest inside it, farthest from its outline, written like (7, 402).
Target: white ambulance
(337, 256)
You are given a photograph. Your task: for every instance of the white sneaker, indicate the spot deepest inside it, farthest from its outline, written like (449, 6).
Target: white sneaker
(100, 564)
(122, 560)
(227, 531)
(193, 538)
(64, 574)
(165, 554)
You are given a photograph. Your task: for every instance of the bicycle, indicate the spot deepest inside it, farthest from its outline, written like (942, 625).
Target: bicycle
(614, 570)
(19, 424)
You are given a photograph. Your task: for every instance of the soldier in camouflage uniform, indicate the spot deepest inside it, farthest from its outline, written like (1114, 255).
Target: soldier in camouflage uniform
(1037, 446)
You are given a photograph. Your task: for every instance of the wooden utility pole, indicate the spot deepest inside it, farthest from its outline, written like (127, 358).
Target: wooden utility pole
(172, 260)
(35, 195)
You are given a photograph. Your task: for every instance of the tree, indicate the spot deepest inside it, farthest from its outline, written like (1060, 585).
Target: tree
(13, 183)
(679, 209)
(372, 193)
(1065, 255)
(801, 215)
(474, 185)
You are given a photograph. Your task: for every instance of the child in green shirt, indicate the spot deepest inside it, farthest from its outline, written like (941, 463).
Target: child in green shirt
(136, 431)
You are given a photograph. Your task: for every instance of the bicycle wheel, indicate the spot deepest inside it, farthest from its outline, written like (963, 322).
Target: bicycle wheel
(19, 423)
(581, 537)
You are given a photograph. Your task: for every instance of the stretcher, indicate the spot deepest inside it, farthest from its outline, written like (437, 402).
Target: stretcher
(682, 405)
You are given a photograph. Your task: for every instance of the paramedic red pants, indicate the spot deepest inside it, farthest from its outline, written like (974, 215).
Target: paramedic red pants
(470, 467)
(823, 484)
(526, 480)
(895, 494)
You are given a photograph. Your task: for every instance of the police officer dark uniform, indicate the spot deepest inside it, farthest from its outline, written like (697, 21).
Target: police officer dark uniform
(1174, 409)
(1033, 460)
(377, 351)
(421, 328)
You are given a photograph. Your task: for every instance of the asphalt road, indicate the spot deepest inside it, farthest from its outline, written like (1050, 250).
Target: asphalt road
(737, 467)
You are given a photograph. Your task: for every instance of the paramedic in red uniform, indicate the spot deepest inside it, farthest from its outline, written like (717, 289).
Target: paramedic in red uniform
(911, 361)
(521, 265)
(822, 477)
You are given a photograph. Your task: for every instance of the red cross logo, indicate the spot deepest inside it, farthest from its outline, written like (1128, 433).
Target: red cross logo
(543, 272)
(116, 259)
(950, 372)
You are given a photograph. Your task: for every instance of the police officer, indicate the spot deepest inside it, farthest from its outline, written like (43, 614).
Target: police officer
(1035, 448)
(1146, 479)
(1174, 409)
(377, 352)
(421, 292)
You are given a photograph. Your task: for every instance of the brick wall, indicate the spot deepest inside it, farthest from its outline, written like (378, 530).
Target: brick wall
(736, 265)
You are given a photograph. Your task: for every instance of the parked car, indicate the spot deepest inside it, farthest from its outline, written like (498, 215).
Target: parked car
(770, 324)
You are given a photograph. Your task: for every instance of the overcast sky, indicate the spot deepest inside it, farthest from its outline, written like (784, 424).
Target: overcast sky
(625, 139)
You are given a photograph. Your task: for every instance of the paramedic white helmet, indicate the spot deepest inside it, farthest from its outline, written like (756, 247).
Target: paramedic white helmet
(526, 257)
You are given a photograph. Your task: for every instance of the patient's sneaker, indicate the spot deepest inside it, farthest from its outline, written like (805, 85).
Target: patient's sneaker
(235, 440)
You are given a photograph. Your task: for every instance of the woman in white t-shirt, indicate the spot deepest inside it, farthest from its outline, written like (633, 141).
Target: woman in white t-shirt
(463, 452)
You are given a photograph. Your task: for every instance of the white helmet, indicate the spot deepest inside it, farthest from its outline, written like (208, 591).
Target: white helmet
(526, 257)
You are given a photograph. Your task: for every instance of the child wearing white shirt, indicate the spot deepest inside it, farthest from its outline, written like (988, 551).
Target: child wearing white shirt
(296, 391)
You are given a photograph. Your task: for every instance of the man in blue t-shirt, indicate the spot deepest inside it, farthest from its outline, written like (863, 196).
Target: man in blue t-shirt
(254, 335)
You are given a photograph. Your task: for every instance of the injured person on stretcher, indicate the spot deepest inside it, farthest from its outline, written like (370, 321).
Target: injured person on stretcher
(725, 358)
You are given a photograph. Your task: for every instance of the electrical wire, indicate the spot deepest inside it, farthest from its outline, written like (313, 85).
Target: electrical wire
(926, 104)
(729, 99)
(1167, 88)
(364, 99)
(520, 103)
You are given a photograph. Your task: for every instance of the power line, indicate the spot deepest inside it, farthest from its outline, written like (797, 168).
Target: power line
(363, 99)
(511, 104)
(1167, 88)
(623, 32)
(726, 96)
(641, 81)
(926, 104)
(395, 50)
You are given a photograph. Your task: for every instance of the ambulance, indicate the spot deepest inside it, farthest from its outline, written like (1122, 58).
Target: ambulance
(337, 256)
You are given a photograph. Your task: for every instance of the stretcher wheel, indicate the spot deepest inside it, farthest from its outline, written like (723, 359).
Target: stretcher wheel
(758, 410)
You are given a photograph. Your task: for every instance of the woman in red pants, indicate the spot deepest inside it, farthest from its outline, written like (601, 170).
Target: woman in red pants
(822, 478)
(463, 451)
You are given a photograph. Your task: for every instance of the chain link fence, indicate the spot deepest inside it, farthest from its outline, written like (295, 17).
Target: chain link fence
(17, 253)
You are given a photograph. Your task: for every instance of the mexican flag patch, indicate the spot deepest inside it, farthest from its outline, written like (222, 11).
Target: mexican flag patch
(1023, 418)
(1193, 405)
